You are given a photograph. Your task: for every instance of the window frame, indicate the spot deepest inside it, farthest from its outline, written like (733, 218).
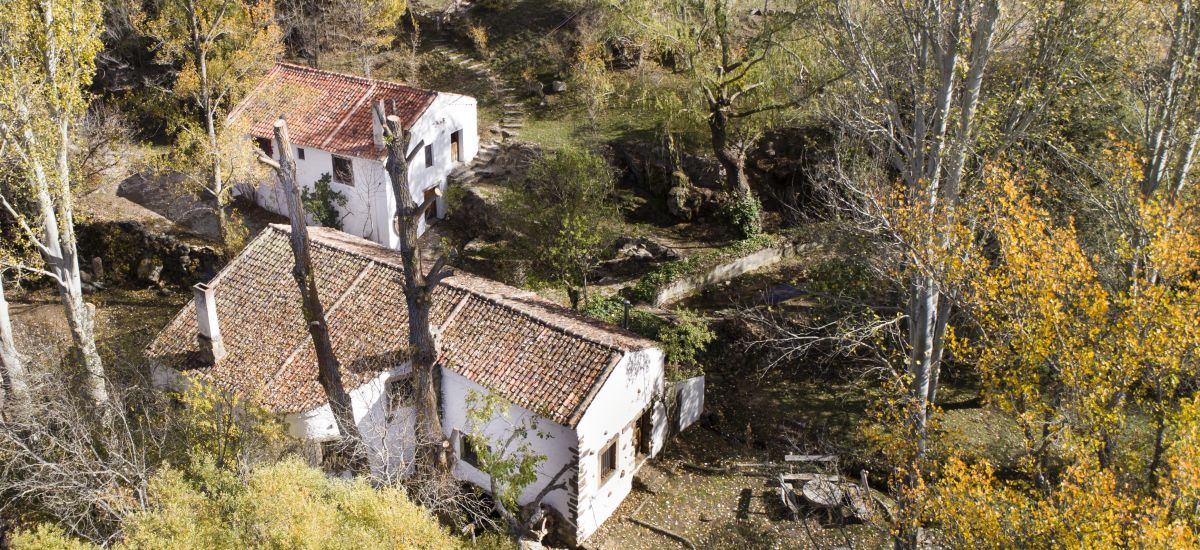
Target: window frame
(429, 156)
(613, 447)
(300, 153)
(335, 159)
(467, 452)
(266, 145)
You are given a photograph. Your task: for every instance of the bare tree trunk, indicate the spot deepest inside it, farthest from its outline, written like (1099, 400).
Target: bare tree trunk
(55, 216)
(12, 368)
(217, 185)
(732, 161)
(418, 293)
(1171, 126)
(329, 373)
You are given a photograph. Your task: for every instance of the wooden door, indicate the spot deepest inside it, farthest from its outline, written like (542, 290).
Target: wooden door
(643, 432)
(431, 213)
(455, 145)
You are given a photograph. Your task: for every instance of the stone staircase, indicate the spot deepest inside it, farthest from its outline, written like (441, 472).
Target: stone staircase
(491, 139)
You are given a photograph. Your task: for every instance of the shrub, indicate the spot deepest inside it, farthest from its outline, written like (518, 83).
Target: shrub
(611, 309)
(323, 202)
(479, 38)
(687, 338)
(744, 213)
(284, 505)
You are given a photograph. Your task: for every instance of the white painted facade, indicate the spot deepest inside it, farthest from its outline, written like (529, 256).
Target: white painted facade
(634, 386)
(370, 206)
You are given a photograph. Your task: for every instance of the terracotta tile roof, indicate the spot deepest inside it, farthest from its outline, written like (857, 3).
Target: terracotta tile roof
(327, 110)
(537, 354)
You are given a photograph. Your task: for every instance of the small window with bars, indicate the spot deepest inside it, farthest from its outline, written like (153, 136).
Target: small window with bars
(608, 460)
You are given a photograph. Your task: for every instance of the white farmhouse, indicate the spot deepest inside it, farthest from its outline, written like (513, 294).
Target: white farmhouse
(332, 127)
(595, 390)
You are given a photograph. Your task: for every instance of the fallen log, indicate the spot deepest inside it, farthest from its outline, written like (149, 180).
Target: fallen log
(706, 469)
(663, 531)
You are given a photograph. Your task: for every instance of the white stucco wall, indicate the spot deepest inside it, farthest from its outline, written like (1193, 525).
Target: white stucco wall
(389, 444)
(556, 446)
(691, 400)
(369, 205)
(635, 384)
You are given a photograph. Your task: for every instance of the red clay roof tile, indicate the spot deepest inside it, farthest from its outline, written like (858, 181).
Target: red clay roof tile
(327, 110)
(535, 353)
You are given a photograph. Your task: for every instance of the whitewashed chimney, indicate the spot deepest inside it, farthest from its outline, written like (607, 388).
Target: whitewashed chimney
(207, 325)
(377, 116)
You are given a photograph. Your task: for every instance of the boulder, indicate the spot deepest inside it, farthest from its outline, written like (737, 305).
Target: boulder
(97, 269)
(634, 256)
(688, 203)
(149, 270)
(557, 87)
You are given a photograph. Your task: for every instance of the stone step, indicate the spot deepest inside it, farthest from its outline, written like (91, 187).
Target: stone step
(508, 105)
(511, 125)
(476, 66)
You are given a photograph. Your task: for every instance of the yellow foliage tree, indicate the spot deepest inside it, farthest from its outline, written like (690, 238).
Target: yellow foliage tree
(1099, 377)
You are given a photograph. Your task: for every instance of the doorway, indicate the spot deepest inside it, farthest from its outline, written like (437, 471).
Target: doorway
(431, 212)
(455, 145)
(642, 432)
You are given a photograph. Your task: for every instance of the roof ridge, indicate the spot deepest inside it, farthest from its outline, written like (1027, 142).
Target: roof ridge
(362, 79)
(486, 296)
(502, 303)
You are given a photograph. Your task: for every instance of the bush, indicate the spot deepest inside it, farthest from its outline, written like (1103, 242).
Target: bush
(323, 202)
(284, 505)
(687, 338)
(744, 213)
(611, 309)
(681, 342)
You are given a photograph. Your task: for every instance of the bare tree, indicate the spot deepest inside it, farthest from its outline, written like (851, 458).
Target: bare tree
(47, 53)
(52, 466)
(419, 285)
(13, 378)
(919, 70)
(329, 373)
(1171, 112)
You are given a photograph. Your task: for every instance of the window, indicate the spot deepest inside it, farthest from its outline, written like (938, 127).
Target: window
(300, 153)
(343, 170)
(466, 450)
(265, 145)
(399, 394)
(608, 460)
(428, 156)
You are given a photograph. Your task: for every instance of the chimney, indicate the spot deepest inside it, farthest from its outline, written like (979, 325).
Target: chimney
(377, 115)
(209, 331)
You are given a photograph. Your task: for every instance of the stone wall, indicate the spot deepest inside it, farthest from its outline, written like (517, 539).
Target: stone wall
(684, 286)
(131, 253)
